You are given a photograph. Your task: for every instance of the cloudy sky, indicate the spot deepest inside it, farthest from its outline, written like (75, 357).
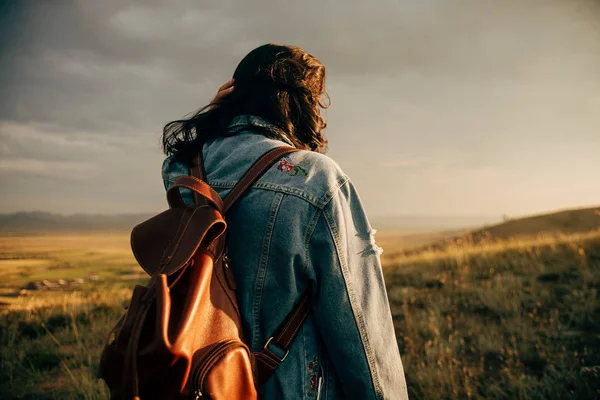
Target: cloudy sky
(439, 107)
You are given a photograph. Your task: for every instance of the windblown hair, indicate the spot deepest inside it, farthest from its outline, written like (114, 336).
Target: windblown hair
(284, 85)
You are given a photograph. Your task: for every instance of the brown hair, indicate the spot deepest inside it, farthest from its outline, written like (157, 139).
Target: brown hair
(283, 84)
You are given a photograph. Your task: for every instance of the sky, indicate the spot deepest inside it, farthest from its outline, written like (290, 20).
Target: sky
(463, 107)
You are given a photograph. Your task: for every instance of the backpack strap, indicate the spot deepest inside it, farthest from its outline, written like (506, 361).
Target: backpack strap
(259, 167)
(197, 171)
(266, 360)
(204, 193)
(198, 187)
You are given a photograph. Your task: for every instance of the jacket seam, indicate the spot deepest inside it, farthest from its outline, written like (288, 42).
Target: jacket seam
(310, 229)
(326, 198)
(262, 267)
(270, 186)
(309, 233)
(319, 203)
(326, 378)
(358, 318)
(305, 366)
(170, 181)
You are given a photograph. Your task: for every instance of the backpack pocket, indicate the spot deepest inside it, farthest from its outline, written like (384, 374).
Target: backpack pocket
(224, 372)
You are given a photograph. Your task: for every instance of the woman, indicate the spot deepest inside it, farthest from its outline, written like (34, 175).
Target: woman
(300, 226)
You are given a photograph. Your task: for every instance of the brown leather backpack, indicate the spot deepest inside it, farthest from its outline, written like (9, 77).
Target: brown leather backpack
(181, 336)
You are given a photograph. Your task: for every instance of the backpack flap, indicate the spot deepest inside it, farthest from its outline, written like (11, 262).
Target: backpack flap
(165, 243)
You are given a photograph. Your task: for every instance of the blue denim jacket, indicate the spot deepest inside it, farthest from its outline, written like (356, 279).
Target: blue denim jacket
(303, 224)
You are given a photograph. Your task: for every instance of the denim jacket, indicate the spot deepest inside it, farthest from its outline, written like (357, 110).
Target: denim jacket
(302, 225)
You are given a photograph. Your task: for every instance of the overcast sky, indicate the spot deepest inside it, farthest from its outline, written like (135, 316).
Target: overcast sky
(439, 107)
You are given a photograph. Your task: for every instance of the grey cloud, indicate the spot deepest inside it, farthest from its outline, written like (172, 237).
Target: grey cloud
(92, 82)
(192, 43)
(126, 67)
(71, 171)
(21, 141)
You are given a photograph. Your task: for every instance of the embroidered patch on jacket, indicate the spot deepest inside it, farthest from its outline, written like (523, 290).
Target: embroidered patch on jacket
(290, 169)
(313, 371)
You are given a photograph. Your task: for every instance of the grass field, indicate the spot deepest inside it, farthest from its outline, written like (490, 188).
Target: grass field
(512, 319)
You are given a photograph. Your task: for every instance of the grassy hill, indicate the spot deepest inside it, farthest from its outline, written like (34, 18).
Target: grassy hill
(495, 316)
(549, 224)
(564, 222)
(519, 319)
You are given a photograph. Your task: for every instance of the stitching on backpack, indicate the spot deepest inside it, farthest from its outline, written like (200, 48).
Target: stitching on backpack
(245, 187)
(266, 358)
(304, 299)
(216, 272)
(177, 236)
(257, 167)
(297, 327)
(180, 237)
(293, 334)
(290, 322)
(133, 247)
(162, 258)
(218, 201)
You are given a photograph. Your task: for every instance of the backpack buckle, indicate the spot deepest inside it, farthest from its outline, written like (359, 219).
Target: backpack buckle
(272, 353)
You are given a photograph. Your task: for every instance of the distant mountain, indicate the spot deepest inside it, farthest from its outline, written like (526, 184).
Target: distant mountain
(566, 221)
(31, 222)
(563, 221)
(426, 224)
(49, 222)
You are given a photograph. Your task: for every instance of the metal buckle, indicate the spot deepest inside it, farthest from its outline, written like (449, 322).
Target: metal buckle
(275, 355)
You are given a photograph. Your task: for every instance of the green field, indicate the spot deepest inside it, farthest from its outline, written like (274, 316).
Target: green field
(517, 318)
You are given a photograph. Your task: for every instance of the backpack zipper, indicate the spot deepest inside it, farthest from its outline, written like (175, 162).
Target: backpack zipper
(210, 360)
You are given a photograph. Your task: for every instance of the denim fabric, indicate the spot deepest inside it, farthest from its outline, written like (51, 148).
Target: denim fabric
(303, 225)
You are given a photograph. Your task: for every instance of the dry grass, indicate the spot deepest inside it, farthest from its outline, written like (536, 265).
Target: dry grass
(515, 319)
(51, 340)
(512, 319)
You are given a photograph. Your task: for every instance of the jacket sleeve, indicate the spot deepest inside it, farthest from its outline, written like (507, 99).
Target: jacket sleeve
(350, 303)
(170, 171)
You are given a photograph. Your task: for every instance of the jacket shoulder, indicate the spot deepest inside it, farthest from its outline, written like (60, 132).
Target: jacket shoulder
(312, 176)
(316, 175)
(171, 169)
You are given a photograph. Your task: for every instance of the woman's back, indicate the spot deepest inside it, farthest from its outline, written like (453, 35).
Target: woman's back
(302, 227)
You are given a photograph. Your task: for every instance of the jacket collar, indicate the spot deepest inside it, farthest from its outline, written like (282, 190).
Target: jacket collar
(245, 121)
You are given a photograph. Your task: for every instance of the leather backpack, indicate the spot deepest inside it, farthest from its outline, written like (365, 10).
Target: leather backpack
(181, 335)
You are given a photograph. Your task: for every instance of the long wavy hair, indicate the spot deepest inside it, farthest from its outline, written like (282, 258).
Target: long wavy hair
(282, 84)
